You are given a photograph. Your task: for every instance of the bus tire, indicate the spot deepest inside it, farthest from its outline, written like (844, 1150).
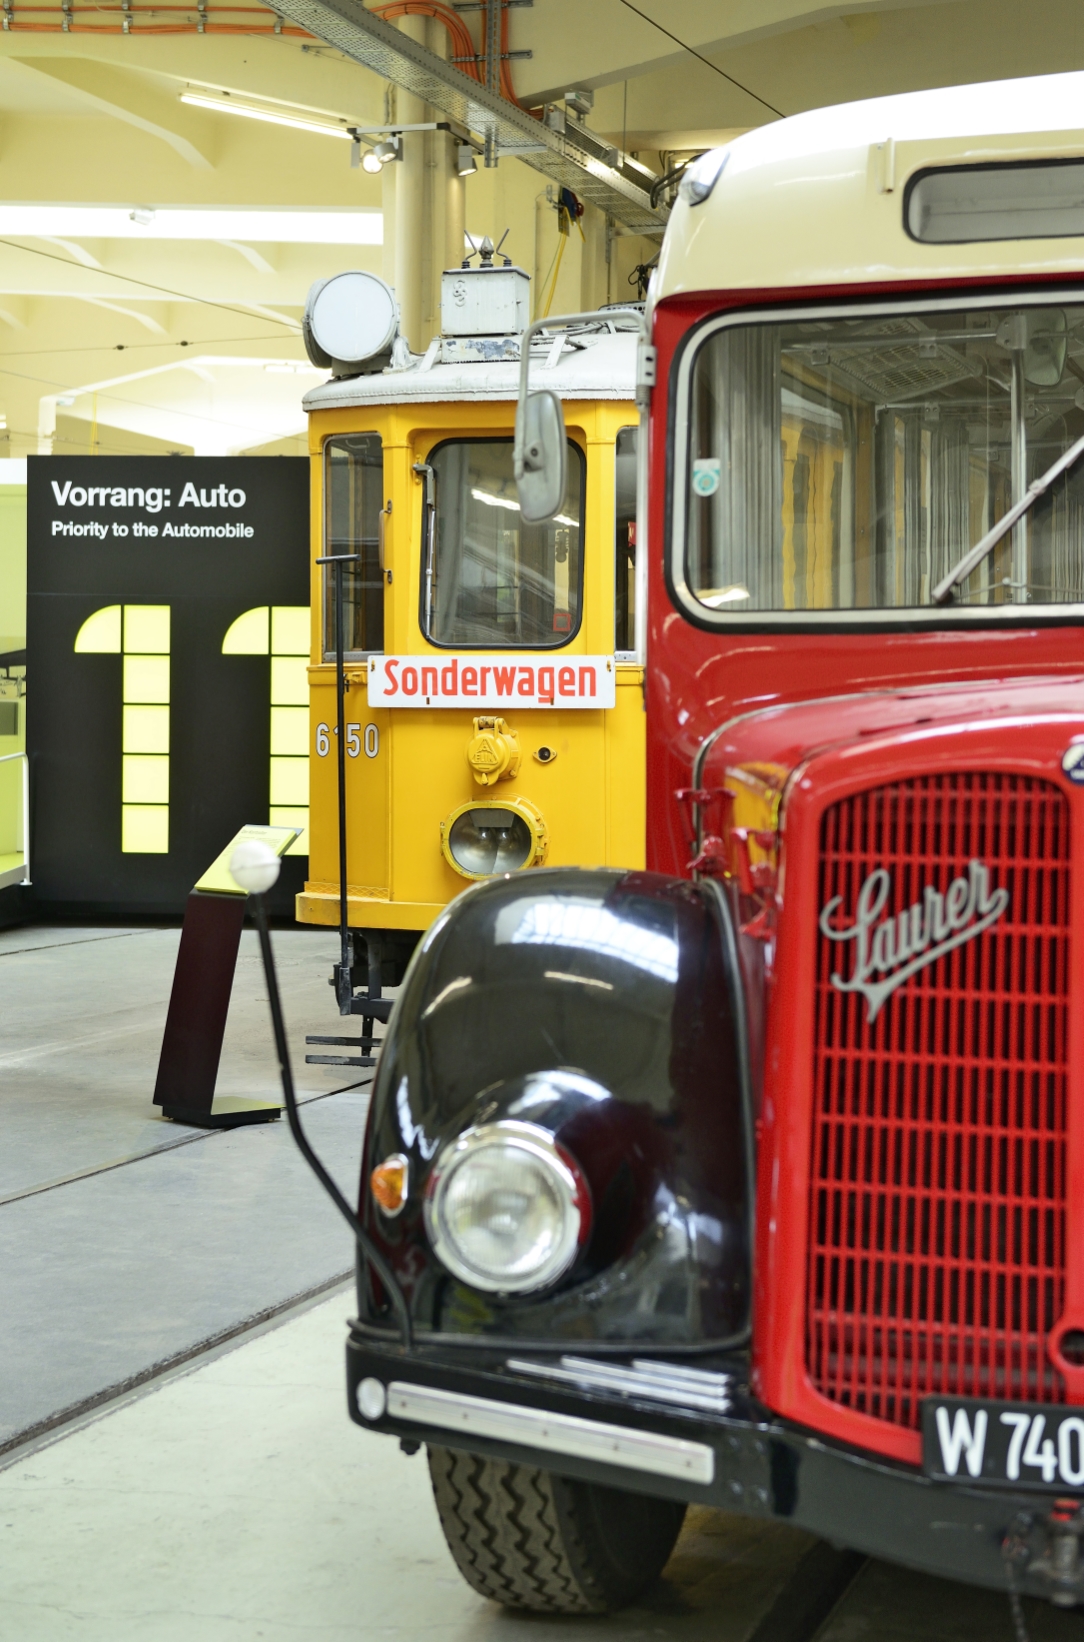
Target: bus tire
(528, 1539)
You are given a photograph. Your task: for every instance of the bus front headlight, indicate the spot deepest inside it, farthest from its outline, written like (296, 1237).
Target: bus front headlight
(507, 1210)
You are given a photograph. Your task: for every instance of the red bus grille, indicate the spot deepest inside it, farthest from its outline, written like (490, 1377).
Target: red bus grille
(937, 1203)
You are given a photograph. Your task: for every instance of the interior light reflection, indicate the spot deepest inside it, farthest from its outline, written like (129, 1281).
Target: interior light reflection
(594, 928)
(506, 501)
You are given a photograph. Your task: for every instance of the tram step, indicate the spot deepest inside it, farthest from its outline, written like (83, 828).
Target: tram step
(339, 1060)
(342, 1060)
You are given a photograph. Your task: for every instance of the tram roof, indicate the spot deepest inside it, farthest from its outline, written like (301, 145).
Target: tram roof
(595, 366)
(817, 199)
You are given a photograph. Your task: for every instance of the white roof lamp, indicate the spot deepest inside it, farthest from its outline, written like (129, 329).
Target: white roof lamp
(351, 325)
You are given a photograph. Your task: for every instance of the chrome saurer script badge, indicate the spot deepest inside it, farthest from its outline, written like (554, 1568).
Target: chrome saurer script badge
(898, 947)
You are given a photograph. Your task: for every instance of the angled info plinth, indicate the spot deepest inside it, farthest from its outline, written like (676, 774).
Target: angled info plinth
(200, 1000)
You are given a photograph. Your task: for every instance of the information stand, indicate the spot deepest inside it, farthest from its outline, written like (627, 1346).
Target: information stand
(199, 1003)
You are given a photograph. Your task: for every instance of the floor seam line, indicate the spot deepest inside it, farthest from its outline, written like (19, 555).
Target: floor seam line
(9, 1448)
(89, 940)
(157, 1151)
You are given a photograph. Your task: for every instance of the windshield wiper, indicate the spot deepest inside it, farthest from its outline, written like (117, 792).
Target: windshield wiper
(960, 571)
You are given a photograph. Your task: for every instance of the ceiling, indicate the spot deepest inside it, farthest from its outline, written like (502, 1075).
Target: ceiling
(183, 341)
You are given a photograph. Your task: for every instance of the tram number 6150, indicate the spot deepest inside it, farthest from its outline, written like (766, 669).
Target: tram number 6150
(324, 733)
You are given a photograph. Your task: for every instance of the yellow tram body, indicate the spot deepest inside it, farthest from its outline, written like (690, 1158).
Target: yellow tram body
(580, 780)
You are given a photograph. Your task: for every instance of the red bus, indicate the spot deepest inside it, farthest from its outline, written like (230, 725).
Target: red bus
(756, 1179)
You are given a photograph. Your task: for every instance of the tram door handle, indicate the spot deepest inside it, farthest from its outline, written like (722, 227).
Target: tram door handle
(424, 471)
(384, 511)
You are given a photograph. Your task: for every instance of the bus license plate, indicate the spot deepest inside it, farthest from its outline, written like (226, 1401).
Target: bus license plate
(1009, 1445)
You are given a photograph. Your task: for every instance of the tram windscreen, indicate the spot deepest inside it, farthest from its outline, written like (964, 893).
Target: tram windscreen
(849, 463)
(353, 502)
(494, 580)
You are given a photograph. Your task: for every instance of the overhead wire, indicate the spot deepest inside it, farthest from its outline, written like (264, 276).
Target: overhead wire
(163, 290)
(118, 399)
(670, 35)
(135, 347)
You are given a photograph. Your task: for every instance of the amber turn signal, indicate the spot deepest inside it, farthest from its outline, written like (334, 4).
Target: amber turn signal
(390, 1181)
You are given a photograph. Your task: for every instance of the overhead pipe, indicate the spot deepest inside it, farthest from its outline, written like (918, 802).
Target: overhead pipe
(348, 26)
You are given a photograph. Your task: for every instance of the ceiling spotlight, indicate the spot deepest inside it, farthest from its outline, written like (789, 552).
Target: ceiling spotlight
(387, 150)
(370, 162)
(464, 160)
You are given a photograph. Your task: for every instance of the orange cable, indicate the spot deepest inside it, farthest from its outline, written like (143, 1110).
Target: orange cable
(458, 33)
(167, 28)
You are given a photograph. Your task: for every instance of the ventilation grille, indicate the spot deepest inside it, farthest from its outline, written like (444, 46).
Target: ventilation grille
(937, 1231)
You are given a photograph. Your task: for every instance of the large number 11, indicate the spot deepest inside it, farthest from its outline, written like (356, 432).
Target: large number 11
(140, 633)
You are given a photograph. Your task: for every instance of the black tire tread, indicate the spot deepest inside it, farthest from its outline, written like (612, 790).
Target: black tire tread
(523, 1537)
(502, 1528)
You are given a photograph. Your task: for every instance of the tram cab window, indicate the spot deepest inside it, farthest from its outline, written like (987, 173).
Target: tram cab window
(625, 542)
(848, 463)
(353, 502)
(488, 579)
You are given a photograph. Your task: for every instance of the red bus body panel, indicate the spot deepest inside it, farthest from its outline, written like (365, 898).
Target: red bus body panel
(844, 713)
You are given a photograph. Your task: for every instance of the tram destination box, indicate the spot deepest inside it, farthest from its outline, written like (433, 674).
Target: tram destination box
(149, 746)
(486, 301)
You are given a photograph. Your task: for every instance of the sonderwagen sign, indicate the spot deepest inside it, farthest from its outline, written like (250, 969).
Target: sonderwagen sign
(476, 681)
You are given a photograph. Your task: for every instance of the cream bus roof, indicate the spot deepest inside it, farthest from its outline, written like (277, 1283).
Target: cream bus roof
(817, 199)
(592, 366)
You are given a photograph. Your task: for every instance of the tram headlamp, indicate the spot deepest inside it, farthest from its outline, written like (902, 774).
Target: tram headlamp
(479, 840)
(507, 1210)
(350, 322)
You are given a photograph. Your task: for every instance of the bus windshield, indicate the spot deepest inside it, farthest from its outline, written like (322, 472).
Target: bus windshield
(848, 463)
(491, 580)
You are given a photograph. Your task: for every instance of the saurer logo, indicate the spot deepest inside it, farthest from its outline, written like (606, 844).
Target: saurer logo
(888, 951)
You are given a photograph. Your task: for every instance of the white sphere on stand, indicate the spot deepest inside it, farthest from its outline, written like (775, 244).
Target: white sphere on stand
(254, 866)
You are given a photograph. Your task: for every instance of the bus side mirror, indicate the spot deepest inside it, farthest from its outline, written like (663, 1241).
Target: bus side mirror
(541, 452)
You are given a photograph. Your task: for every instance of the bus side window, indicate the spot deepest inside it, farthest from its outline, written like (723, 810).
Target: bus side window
(353, 500)
(625, 542)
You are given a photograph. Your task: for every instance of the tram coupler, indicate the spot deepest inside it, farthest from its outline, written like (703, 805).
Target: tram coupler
(383, 958)
(1047, 1550)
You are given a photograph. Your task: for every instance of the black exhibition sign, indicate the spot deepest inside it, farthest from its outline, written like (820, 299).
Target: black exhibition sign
(210, 538)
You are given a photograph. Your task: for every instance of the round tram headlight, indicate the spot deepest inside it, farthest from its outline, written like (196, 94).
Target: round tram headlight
(507, 1210)
(479, 840)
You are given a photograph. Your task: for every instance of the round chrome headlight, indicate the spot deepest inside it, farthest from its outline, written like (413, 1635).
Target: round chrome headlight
(507, 1209)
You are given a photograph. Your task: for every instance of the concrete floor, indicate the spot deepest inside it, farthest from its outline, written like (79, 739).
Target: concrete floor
(228, 1497)
(234, 1501)
(125, 1239)
(237, 1502)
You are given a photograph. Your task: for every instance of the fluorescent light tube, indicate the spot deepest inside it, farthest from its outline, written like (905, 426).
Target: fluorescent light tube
(221, 105)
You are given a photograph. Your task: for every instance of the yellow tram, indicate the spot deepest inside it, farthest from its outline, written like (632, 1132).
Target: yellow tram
(493, 704)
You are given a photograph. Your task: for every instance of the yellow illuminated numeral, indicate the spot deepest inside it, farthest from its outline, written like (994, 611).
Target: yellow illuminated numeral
(139, 633)
(281, 631)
